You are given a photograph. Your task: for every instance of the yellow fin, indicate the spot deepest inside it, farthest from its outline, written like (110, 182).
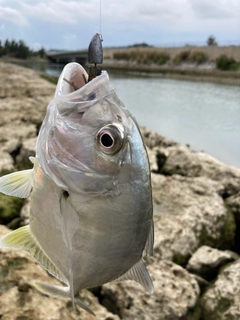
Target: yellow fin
(18, 184)
(23, 239)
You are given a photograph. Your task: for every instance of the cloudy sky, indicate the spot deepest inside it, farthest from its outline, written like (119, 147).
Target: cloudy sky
(70, 24)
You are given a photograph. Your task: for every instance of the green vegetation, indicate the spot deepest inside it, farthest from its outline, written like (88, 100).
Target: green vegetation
(140, 57)
(140, 45)
(181, 57)
(225, 63)
(9, 208)
(157, 57)
(18, 50)
(160, 57)
(211, 41)
(197, 57)
(49, 78)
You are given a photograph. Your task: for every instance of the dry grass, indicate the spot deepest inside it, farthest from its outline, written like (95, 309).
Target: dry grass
(212, 52)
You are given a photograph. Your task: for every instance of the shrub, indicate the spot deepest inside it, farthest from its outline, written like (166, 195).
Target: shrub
(143, 57)
(181, 57)
(121, 55)
(225, 63)
(198, 57)
(162, 58)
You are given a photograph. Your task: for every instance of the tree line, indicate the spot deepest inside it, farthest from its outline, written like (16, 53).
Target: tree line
(19, 50)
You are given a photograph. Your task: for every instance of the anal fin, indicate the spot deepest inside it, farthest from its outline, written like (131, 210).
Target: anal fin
(60, 292)
(139, 274)
(23, 239)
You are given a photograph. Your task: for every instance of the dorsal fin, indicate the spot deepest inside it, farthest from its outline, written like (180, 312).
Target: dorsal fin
(23, 239)
(139, 274)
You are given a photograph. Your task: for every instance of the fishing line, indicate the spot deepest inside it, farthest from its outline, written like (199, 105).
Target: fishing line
(100, 17)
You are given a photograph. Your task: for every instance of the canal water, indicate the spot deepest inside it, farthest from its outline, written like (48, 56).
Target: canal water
(204, 115)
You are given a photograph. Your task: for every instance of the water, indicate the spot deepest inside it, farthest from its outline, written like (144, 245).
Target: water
(204, 115)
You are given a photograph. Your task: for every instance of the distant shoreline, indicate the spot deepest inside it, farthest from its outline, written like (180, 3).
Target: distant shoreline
(179, 73)
(183, 72)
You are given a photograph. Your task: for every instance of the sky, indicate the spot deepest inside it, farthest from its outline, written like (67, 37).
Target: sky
(70, 24)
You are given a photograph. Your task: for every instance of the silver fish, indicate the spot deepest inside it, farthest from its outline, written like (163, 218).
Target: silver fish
(91, 201)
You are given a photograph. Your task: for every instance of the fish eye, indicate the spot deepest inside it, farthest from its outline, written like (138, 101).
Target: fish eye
(110, 139)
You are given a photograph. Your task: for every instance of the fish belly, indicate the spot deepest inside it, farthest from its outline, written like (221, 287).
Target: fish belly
(98, 238)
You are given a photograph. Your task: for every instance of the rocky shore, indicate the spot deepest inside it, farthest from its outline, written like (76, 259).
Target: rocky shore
(196, 263)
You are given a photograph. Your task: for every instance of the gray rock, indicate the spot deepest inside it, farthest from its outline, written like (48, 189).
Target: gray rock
(206, 261)
(191, 214)
(175, 296)
(222, 299)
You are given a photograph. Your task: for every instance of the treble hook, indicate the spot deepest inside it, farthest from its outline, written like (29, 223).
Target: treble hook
(95, 55)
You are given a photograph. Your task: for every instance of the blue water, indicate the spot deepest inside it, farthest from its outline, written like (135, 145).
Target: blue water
(204, 115)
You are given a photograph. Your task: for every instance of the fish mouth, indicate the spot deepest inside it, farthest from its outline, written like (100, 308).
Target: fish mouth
(72, 78)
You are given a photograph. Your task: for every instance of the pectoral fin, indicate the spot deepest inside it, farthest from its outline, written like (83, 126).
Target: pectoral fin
(59, 292)
(139, 274)
(18, 184)
(23, 239)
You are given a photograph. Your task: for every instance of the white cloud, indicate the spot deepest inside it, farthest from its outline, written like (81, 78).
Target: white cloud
(60, 11)
(12, 15)
(221, 9)
(70, 23)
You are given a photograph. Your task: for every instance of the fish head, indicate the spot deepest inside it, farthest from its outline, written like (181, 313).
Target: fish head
(89, 142)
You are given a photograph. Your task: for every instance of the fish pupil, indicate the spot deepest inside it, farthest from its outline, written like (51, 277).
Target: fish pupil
(65, 194)
(107, 141)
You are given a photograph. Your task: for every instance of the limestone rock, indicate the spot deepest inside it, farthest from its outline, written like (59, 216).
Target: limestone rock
(153, 139)
(222, 299)
(206, 261)
(25, 212)
(234, 203)
(175, 296)
(6, 163)
(24, 97)
(183, 161)
(27, 150)
(190, 213)
(152, 160)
